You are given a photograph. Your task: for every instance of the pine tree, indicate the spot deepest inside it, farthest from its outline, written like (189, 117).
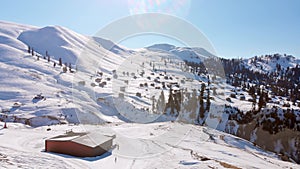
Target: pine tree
(32, 52)
(208, 100)
(29, 50)
(48, 57)
(208, 95)
(192, 104)
(254, 101)
(171, 103)
(177, 100)
(59, 62)
(201, 102)
(153, 105)
(161, 103)
(262, 100)
(70, 67)
(253, 95)
(208, 80)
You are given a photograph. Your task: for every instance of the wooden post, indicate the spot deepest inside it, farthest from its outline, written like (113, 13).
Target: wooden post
(5, 126)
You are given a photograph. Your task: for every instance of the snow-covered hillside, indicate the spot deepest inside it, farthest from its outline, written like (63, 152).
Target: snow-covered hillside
(52, 75)
(158, 145)
(194, 54)
(24, 76)
(101, 70)
(269, 63)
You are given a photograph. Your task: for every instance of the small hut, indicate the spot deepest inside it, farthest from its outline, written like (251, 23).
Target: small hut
(80, 144)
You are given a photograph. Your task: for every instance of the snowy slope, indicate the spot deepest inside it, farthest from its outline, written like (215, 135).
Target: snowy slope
(100, 69)
(32, 75)
(58, 40)
(112, 47)
(267, 64)
(104, 71)
(9, 45)
(158, 145)
(194, 54)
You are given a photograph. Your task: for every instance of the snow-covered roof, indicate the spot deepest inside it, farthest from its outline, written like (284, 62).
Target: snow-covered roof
(92, 139)
(68, 138)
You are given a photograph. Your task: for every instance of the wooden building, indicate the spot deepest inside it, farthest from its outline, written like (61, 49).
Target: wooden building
(80, 144)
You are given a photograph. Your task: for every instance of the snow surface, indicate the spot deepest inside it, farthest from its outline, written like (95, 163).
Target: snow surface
(157, 145)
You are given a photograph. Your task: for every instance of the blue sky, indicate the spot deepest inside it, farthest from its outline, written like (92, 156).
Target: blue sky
(236, 28)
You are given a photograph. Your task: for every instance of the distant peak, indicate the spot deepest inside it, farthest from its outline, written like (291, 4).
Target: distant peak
(276, 56)
(164, 46)
(53, 28)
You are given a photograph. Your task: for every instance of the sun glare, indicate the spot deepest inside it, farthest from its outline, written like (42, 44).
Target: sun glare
(179, 8)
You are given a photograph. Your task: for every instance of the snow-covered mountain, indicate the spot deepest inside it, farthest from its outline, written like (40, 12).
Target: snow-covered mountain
(53, 75)
(194, 54)
(269, 63)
